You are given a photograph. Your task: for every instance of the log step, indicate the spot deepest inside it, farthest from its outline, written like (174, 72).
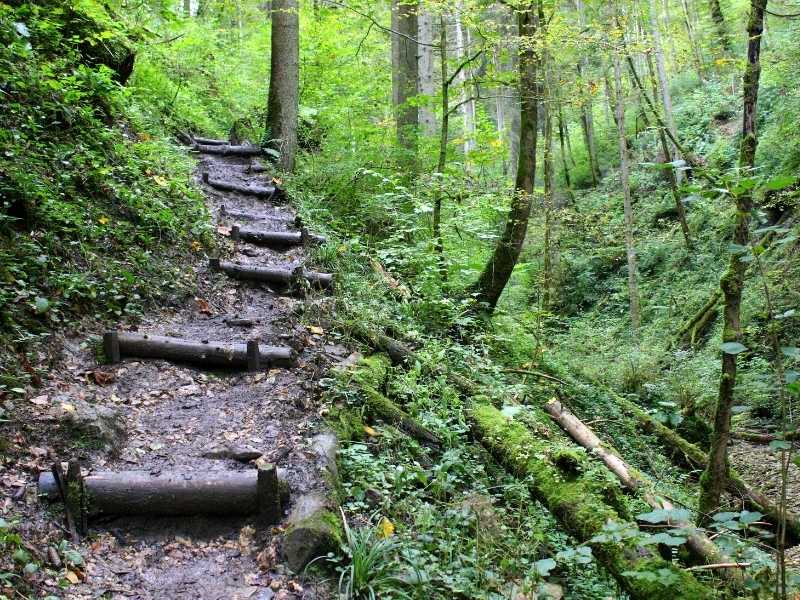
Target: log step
(204, 141)
(267, 191)
(282, 277)
(275, 239)
(228, 150)
(224, 493)
(250, 355)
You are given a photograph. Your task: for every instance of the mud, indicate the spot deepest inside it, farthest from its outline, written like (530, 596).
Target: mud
(176, 413)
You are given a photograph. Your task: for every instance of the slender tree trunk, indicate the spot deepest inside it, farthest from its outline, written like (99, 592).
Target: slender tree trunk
(441, 163)
(663, 82)
(698, 57)
(495, 275)
(630, 250)
(549, 279)
(723, 38)
(468, 106)
(284, 81)
(187, 8)
(426, 88)
(564, 158)
(671, 173)
(587, 112)
(713, 481)
(404, 68)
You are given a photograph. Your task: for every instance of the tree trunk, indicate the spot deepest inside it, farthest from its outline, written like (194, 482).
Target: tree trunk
(714, 479)
(565, 156)
(495, 275)
(690, 34)
(663, 82)
(630, 250)
(284, 81)
(587, 116)
(187, 8)
(405, 70)
(723, 37)
(468, 103)
(443, 135)
(426, 87)
(548, 284)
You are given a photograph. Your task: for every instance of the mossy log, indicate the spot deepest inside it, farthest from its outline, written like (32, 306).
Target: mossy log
(692, 456)
(695, 327)
(209, 141)
(697, 542)
(274, 239)
(314, 526)
(369, 376)
(578, 501)
(758, 437)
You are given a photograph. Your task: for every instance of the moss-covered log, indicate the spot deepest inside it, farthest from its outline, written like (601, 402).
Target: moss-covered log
(578, 502)
(370, 377)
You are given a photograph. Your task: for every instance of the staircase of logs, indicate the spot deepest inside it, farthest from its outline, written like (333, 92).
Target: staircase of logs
(262, 492)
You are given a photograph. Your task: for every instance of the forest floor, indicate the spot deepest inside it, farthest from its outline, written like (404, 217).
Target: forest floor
(163, 417)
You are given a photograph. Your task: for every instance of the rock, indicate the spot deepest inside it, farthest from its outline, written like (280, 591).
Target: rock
(101, 424)
(481, 506)
(234, 452)
(326, 446)
(551, 591)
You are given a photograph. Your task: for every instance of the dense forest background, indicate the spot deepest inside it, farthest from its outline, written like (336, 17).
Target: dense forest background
(613, 305)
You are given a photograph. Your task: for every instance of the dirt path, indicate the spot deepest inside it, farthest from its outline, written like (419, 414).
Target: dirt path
(173, 414)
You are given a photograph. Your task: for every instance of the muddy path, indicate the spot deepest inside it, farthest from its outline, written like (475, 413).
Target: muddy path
(163, 417)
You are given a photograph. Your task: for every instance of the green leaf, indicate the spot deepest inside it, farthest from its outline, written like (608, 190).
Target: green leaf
(725, 516)
(748, 517)
(22, 29)
(41, 305)
(73, 557)
(21, 556)
(733, 348)
(792, 376)
(511, 411)
(667, 539)
(663, 515)
(737, 248)
(777, 445)
(544, 566)
(780, 182)
(791, 351)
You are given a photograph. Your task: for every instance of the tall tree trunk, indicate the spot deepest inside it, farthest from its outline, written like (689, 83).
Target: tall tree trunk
(187, 8)
(441, 163)
(723, 38)
(468, 106)
(404, 69)
(663, 82)
(712, 483)
(426, 87)
(690, 34)
(562, 136)
(489, 286)
(284, 81)
(630, 250)
(587, 112)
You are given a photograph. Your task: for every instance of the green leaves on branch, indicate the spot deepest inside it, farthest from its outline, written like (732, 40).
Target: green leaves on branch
(733, 348)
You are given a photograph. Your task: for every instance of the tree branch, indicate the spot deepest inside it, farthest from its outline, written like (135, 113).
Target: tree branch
(379, 26)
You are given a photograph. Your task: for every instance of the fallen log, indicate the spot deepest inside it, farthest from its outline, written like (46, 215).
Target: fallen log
(250, 355)
(281, 277)
(578, 501)
(209, 141)
(314, 526)
(274, 239)
(225, 212)
(267, 192)
(694, 457)
(369, 376)
(698, 543)
(758, 437)
(223, 493)
(228, 150)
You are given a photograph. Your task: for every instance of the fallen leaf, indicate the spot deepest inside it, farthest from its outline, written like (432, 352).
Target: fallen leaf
(316, 330)
(203, 306)
(370, 431)
(39, 400)
(103, 378)
(385, 528)
(223, 230)
(195, 246)
(156, 446)
(103, 220)
(72, 577)
(160, 181)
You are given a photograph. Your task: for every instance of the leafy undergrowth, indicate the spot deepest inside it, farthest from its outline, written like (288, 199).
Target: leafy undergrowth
(96, 214)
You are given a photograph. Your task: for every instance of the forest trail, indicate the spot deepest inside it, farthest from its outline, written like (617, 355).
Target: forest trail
(175, 414)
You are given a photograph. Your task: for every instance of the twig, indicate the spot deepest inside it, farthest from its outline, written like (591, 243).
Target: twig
(726, 565)
(535, 374)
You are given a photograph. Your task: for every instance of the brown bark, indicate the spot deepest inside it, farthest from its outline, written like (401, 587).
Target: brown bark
(565, 156)
(718, 17)
(714, 479)
(228, 150)
(268, 192)
(221, 493)
(630, 249)
(284, 81)
(280, 277)
(211, 353)
(405, 71)
(492, 281)
(274, 239)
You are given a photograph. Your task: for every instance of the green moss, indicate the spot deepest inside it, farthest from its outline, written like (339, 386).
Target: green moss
(579, 503)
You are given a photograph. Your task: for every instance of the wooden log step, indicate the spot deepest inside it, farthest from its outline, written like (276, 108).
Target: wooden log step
(209, 141)
(281, 277)
(250, 355)
(274, 239)
(228, 150)
(259, 191)
(224, 493)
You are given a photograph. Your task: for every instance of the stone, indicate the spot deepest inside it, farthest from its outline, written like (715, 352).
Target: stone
(101, 424)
